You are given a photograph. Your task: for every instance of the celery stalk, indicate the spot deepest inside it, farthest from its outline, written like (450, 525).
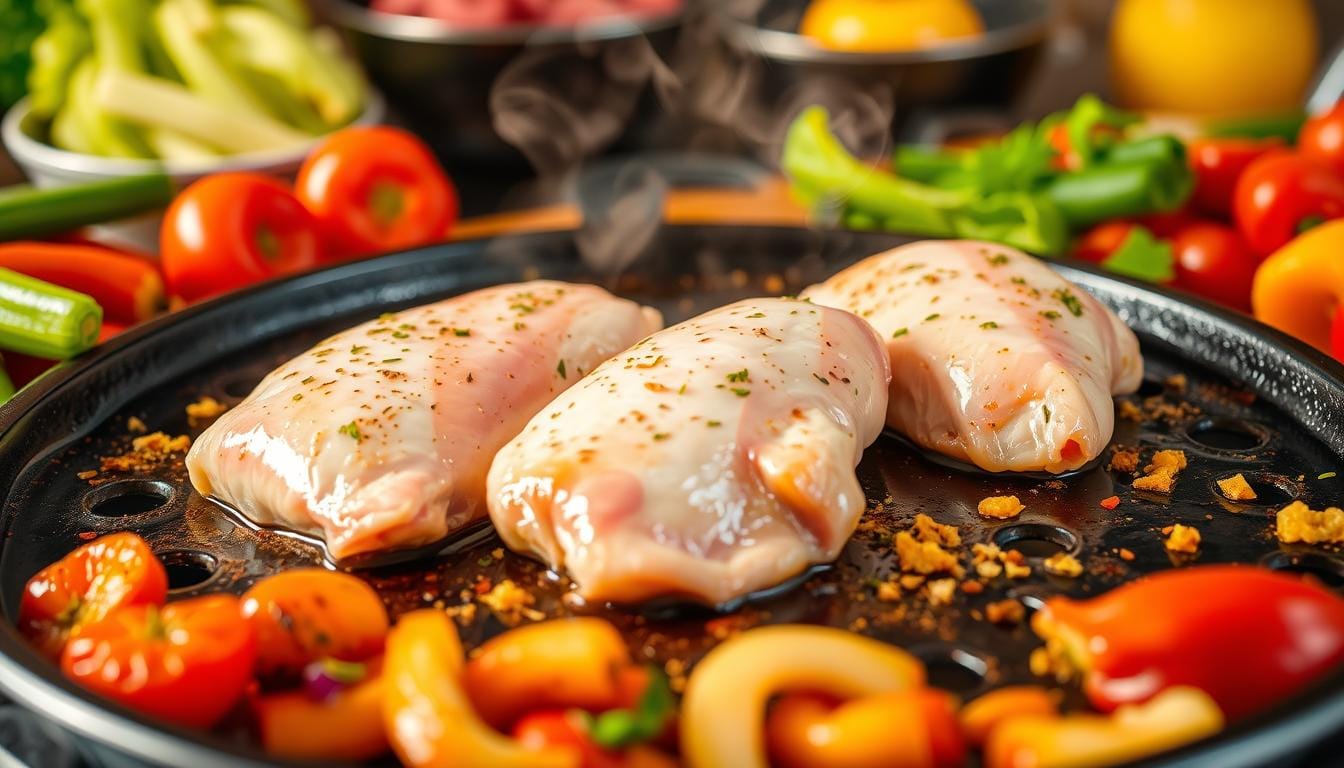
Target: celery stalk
(165, 104)
(56, 53)
(188, 31)
(45, 320)
(262, 41)
(292, 12)
(174, 146)
(104, 134)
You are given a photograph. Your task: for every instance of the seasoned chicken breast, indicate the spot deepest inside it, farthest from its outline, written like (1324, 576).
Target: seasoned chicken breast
(995, 358)
(380, 437)
(710, 460)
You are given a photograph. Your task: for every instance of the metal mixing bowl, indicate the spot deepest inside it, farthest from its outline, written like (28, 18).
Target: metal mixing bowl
(564, 93)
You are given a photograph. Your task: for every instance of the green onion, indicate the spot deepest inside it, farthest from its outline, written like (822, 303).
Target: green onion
(45, 320)
(1116, 191)
(26, 211)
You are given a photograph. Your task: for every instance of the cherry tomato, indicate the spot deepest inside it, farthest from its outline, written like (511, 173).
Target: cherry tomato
(84, 586)
(1282, 194)
(307, 614)
(1213, 261)
(377, 189)
(1337, 336)
(230, 230)
(1322, 139)
(187, 662)
(1099, 242)
(563, 728)
(1218, 164)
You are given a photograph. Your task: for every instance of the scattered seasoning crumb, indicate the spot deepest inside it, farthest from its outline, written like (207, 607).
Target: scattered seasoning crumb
(1236, 488)
(1125, 555)
(1050, 314)
(509, 600)
(1326, 475)
(713, 423)
(989, 325)
(928, 529)
(899, 332)
(560, 369)
(661, 436)
(1063, 564)
(1069, 301)
(1183, 538)
(1124, 460)
(147, 451)
(1000, 507)
(204, 410)
(998, 259)
(1177, 383)
(738, 376)
(888, 591)
(1130, 412)
(297, 397)
(1045, 411)
(1161, 471)
(1299, 523)
(924, 557)
(87, 474)
(136, 426)
(740, 392)
(972, 587)
(1006, 613)
(941, 591)
(911, 581)
(933, 316)
(1110, 502)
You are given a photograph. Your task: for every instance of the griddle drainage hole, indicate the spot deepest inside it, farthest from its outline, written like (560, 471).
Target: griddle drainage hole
(1036, 539)
(1150, 387)
(1328, 570)
(1233, 435)
(954, 669)
(125, 498)
(188, 568)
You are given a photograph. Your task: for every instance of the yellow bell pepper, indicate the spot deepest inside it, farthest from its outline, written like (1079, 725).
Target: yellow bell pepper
(1299, 287)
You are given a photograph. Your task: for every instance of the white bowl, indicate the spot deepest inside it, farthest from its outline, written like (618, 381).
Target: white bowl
(48, 166)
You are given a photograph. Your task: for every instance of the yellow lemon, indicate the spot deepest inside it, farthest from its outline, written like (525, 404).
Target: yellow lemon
(889, 25)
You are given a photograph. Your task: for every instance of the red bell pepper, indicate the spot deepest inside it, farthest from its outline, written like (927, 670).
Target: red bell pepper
(1218, 164)
(1248, 637)
(127, 286)
(1282, 195)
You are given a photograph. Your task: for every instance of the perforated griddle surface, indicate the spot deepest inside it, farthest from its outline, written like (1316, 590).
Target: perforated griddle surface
(1278, 432)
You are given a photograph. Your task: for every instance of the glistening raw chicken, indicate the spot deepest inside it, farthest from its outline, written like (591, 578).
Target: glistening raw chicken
(710, 460)
(996, 359)
(380, 437)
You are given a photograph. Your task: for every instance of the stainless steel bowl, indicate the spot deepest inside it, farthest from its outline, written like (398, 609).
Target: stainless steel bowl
(781, 70)
(551, 95)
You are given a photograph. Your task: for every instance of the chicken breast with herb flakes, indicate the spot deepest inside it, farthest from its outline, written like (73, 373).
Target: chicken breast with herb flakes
(997, 360)
(380, 437)
(710, 460)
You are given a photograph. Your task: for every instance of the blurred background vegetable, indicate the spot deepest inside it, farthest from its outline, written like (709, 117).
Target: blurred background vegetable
(881, 25)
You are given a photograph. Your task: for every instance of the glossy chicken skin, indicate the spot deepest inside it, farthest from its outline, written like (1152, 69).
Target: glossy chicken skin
(996, 359)
(380, 437)
(710, 460)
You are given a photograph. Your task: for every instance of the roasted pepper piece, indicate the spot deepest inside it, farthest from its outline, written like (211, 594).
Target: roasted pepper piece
(1175, 717)
(429, 719)
(348, 726)
(1198, 627)
(911, 729)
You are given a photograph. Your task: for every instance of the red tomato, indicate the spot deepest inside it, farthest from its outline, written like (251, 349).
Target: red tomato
(1099, 242)
(1282, 194)
(188, 662)
(377, 189)
(231, 230)
(1322, 139)
(1337, 336)
(84, 586)
(561, 728)
(306, 614)
(1164, 225)
(1214, 262)
(1218, 164)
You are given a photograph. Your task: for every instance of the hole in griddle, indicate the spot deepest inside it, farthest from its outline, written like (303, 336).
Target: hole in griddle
(127, 498)
(1232, 435)
(1271, 489)
(1324, 568)
(953, 669)
(1036, 539)
(188, 568)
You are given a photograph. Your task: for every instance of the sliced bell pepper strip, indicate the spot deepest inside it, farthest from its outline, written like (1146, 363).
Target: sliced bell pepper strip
(911, 729)
(981, 716)
(725, 700)
(1107, 191)
(347, 727)
(1197, 627)
(127, 286)
(429, 719)
(1175, 717)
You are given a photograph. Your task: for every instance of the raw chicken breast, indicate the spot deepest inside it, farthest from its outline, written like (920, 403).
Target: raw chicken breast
(995, 358)
(712, 459)
(380, 437)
